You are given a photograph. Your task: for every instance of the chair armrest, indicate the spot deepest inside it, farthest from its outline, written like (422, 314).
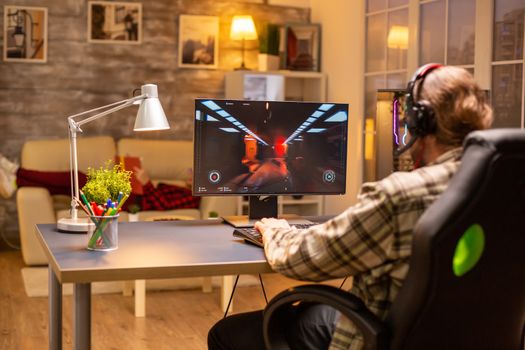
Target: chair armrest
(34, 206)
(373, 329)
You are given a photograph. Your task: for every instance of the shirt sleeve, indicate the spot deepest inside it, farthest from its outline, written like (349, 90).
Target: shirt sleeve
(357, 240)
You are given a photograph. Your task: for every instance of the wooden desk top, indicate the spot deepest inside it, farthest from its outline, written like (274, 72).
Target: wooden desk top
(161, 249)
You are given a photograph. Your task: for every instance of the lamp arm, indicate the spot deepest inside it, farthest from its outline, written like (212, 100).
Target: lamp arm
(74, 127)
(119, 105)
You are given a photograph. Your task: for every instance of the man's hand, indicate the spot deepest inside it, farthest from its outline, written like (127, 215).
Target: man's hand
(267, 223)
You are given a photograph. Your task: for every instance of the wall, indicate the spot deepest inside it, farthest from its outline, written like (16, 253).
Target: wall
(35, 99)
(343, 48)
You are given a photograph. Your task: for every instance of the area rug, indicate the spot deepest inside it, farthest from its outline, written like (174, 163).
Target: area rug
(36, 280)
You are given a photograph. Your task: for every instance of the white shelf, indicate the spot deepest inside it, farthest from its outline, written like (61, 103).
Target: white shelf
(308, 205)
(281, 85)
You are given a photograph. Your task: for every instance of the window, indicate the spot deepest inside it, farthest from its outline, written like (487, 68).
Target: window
(456, 18)
(386, 60)
(507, 63)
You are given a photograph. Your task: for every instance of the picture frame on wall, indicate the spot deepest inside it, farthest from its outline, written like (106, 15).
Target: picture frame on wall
(114, 22)
(25, 34)
(302, 46)
(198, 42)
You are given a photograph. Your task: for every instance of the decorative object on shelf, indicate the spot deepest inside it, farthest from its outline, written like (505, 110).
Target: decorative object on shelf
(302, 48)
(150, 116)
(25, 34)
(198, 41)
(114, 22)
(243, 29)
(268, 47)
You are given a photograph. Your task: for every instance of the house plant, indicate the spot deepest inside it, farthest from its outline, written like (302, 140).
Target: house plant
(268, 47)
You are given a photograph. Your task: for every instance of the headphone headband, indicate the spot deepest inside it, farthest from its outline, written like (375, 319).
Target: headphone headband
(419, 115)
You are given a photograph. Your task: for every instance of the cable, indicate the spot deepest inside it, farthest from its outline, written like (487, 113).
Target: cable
(262, 286)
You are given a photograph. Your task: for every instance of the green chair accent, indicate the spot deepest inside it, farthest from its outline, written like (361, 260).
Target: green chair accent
(468, 250)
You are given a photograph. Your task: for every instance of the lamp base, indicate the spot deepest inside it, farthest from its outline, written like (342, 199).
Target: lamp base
(69, 225)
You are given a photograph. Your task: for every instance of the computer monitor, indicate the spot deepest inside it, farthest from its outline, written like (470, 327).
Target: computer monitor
(263, 149)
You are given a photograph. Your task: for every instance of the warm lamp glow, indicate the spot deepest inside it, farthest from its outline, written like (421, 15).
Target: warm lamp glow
(369, 138)
(243, 28)
(398, 37)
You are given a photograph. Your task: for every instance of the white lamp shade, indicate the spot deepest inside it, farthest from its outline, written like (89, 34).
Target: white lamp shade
(150, 115)
(243, 28)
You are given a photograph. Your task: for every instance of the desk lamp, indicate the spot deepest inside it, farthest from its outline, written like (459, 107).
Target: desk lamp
(243, 29)
(149, 117)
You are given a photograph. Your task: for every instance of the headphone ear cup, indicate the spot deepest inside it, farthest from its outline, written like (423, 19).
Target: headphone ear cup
(425, 118)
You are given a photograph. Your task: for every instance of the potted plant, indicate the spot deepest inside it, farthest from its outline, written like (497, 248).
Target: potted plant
(268, 47)
(133, 210)
(108, 182)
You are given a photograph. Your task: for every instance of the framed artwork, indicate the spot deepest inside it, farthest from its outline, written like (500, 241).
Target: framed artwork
(25, 34)
(302, 47)
(198, 41)
(114, 22)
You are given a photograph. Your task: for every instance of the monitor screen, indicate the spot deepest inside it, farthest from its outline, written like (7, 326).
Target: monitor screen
(269, 147)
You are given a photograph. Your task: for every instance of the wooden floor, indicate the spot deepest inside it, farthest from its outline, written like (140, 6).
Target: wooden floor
(175, 319)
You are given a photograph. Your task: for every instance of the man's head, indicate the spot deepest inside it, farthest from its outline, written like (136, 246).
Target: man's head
(444, 104)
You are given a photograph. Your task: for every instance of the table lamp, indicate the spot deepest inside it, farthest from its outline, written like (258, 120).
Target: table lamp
(149, 117)
(243, 29)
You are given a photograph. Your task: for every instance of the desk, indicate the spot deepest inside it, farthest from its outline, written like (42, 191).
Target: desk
(162, 249)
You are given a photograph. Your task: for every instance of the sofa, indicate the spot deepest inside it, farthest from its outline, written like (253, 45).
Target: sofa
(165, 161)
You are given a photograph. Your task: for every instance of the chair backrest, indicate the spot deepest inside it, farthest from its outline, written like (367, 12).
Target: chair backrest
(471, 295)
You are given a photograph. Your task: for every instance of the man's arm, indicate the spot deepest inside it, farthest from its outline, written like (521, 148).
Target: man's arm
(356, 240)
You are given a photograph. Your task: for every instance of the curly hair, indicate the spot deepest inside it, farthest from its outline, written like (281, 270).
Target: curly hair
(460, 105)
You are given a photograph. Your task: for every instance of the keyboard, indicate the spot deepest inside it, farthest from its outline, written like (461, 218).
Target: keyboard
(251, 235)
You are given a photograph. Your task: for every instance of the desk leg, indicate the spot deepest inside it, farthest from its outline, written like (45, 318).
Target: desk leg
(226, 292)
(82, 316)
(55, 311)
(140, 298)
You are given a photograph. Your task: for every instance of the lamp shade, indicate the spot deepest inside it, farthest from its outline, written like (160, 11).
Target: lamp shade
(243, 28)
(150, 115)
(398, 38)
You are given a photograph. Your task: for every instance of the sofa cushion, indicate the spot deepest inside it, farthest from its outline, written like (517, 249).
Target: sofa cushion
(163, 160)
(53, 155)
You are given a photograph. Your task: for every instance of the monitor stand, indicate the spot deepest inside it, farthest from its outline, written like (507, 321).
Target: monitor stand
(258, 207)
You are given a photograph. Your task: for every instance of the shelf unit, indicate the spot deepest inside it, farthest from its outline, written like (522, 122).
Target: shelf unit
(305, 206)
(276, 85)
(282, 85)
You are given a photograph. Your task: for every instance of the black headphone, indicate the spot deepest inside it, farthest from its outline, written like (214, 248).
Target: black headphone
(419, 115)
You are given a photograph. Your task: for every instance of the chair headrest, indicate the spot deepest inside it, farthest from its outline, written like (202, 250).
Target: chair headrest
(506, 139)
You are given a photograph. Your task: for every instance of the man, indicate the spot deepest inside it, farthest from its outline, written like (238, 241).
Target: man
(371, 240)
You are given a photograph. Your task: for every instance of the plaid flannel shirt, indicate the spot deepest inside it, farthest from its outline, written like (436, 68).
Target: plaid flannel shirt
(165, 197)
(370, 240)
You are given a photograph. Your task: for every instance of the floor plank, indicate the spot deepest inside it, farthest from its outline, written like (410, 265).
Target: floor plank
(175, 319)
